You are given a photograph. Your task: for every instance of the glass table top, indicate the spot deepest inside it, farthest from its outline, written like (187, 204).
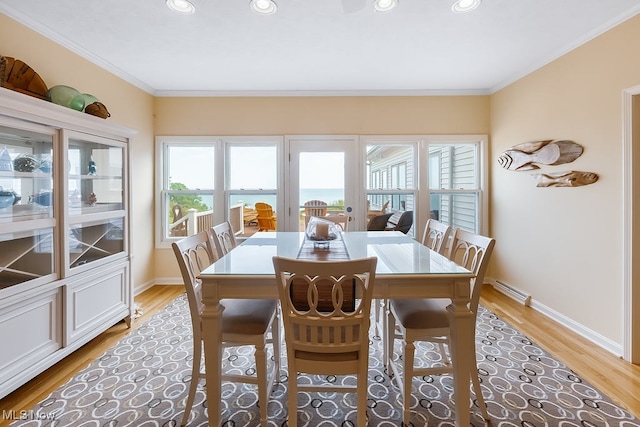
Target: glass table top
(397, 254)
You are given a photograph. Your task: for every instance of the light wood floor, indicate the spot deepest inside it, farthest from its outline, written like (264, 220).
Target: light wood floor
(613, 376)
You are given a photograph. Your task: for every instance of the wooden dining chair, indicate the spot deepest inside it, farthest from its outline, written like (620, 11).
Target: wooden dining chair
(436, 236)
(326, 339)
(223, 238)
(244, 322)
(412, 320)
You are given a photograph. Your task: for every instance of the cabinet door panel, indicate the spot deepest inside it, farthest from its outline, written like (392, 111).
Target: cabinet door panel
(90, 302)
(29, 331)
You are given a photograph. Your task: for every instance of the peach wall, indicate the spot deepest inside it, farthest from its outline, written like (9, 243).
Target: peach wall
(128, 105)
(563, 246)
(316, 115)
(322, 115)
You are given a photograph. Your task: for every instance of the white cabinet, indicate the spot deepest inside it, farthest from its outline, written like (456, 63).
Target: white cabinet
(64, 233)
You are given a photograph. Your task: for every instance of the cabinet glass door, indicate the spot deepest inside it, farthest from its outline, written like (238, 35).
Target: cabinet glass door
(27, 221)
(96, 199)
(95, 177)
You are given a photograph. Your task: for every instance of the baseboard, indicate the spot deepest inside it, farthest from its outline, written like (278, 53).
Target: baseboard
(513, 293)
(579, 329)
(592, 336)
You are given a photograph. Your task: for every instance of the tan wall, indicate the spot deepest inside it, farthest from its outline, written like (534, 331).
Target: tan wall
(128, 105)
(316, 115)
(322, 115)
(564, 245)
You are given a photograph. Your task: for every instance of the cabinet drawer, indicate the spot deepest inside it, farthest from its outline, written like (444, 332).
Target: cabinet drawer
(29, 331)
(96, 300)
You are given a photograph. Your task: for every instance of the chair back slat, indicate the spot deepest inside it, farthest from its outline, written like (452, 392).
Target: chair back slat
(194, 254)
(337, 324)
(473, 252)
(436, 235)
(223, 238)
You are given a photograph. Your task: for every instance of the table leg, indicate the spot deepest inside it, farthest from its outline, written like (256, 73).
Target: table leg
(212, 337)
(462, 348)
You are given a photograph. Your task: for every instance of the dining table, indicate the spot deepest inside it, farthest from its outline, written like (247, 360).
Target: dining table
(405, 269)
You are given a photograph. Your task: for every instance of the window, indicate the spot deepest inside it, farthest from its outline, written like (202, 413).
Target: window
(252, 176)
(454, 184)
(188, 186)
(206, 180)
(391, 176)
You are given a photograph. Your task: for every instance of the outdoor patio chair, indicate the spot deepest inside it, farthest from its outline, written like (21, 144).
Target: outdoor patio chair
(317, 208)
(266, 219)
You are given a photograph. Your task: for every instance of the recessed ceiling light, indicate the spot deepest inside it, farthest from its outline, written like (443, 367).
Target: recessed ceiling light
(265, 7)
(181, 6)
(462, 6)
(384, 5)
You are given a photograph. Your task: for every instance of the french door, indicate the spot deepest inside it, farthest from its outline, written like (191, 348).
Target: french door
(326, 169)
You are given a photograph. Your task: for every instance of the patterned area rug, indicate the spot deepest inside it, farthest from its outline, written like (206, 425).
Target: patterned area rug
(143, 381)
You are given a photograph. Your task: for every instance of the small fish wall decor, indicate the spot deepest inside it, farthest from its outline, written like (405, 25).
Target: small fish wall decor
(531, 155)
(565, 179)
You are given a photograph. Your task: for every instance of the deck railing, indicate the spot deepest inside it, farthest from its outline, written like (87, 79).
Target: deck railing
(194, 222)
(191, 223)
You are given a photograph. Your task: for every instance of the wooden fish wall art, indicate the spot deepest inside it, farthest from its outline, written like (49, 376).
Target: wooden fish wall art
(531, 155)
(565, 179)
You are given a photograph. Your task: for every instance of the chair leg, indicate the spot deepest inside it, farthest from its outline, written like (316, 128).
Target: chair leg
(477, 390)
(275, 336)
(389, 338)
(292, 399)
(376, 327)
(195, 379)
(409, 356)
(261, 373)
(362, 379)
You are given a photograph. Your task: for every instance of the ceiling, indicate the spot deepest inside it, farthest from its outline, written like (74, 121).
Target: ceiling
(316, 47)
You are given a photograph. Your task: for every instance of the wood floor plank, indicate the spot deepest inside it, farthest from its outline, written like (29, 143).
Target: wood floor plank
(613, 376)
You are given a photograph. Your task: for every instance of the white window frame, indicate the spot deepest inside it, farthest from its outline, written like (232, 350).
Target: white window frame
(220, 190)
(162, 180)
(421, 191)
(261, 141)
(482, 177)
(385, 186)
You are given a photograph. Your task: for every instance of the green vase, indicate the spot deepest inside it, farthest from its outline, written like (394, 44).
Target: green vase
(66, 96)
